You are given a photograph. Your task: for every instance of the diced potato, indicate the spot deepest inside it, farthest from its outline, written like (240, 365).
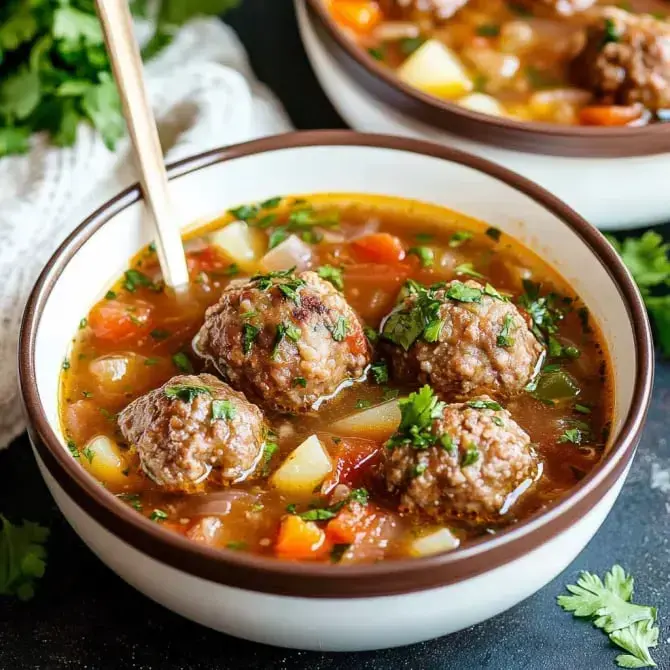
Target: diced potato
(435, 543)
(434, 68)
(103, 459)
(292, 252)
(376, 423)
(480, 102)
(241, 243)
(304, 469)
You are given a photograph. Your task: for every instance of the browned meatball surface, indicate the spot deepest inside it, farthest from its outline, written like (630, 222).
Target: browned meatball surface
(193, 428)
(440, 9)
(286, 339)
(478, 457)
(626, 60)
(460, 338)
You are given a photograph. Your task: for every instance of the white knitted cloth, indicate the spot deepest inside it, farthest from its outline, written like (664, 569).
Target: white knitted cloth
(204, 95)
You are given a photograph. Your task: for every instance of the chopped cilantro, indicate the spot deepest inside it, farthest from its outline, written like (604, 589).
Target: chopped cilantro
(498, 421)
(377, 53)
(339, 331)
(317, 515)
(271, 203)
(338, 551)
(333, 275)
(582, 409)
(543, 310)
(611, 31)
(408, 45)
(277, 236)
(417, 411)
(232, 270)
(135, 279)
(66, 364)
(504, 338)
(488, 30)
(110, 295)
(461, 293)
(380, 372)
(185, 392)
(244, 212)
(300, 381)
(270, 448)
(89, 454)
(223, 409)
(182, 362)
(447, 443)
(160, 334)
(371, 334)
(470, 456)
(468, 269)
(285, 330)
(460, 237)
(249, 335)
(236, 545)
(73, 448)
(425, 254)
(484, 404)
(420, 468)
(494, 233)
(133, 499)
(158, 515)
(83, 323)
(151, 361)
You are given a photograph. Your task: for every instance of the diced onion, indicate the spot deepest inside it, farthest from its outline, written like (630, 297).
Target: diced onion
(292, 252)
(304, 469)
(435, 69)
(376, 423)
(435, 543)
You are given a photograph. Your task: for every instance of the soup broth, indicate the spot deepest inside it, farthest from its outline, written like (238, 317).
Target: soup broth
(339, 498)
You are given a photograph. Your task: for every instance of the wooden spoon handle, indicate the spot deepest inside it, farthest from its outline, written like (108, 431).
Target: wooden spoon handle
(124, 54)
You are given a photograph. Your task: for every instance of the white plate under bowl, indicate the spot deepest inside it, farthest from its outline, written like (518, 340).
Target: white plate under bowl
(611, 193)
(316, 606)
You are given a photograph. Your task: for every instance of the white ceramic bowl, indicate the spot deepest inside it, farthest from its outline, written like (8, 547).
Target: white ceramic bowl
(313, 606)
(610, 192)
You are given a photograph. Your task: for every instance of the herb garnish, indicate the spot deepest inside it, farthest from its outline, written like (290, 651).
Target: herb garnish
(249, 335)
(494, 233)
(182, 362)
(71, 445)
(380, 372)
(417, 411)
(285, 330)
(339, 331)
(135, 279)
(425, 254)
(504, 338)
(333, 275)
(371, 334)
(277, 236)
(543, 311)
(223, 409)
(460, 237)
(611, 32)
(408, 45)
(376, 52)
(158, 515)
(185, 392)
(236, 545)
(470, 455)
(484, 404)
(270, 448)
(160, 334)
(629, 626)
(284, 280)
(359, 496)
(338, 551)
(22, 557)
(300, 381)
(468, 269)
(461, 293)
(488, 30)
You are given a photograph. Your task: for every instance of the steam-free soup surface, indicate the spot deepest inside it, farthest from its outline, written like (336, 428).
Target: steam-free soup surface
(431, 382)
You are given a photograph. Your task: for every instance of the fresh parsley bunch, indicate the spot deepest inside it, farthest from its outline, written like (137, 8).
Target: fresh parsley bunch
(647, 259)
(54, 70)
(629, 626)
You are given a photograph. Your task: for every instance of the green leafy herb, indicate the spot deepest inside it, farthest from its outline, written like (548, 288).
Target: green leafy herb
(160, 334)
(420, 468)
(339, 331)
(484, 404)
(110, 295)
(611, 31)
(461, 293)
(223, 409)
(71, 445)
(158, 515)
(460, 237)
(578, 433)
(425, 254)
(494, 233)
(377, 53)
(488, 30)
(300, 381)
(65, 364)
(582, 409)
(380, 372)
(237, 545)
(390, 394)
(244, 212)
(249, 335)
(271, 203)
(317, 515)
(133, 499)
(647, 259)
(447, 443)
(270, 448)
(494, 293)
(333, 275)
(371, 334)
(629, 626)
(424, 238)
(338, 551)
(284, 280)
(182, 362)
(417, 411)
(89, 454)
(498, 421)
(285, 330)
(135, 279)
(185, 392)
(504, 338)
(151, 361)
(543, 310)
(83, 323)
(408, 45)
(22, 557)
(470, 456)
(468, 269)
(277, 236)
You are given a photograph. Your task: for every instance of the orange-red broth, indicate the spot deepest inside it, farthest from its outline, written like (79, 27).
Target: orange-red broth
(149, 327)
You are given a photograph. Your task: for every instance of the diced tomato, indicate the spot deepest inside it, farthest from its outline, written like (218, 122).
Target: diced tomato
(352, 458)
(378, 248)
(347, 525)
(360, 15)
(357, 342)
(205, 260)
(372, 288)
(115, 321)
(609, 115)
(299, 539)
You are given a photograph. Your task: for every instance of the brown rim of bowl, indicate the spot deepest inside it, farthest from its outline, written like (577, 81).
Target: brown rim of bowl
(265, 574)
(526, 136)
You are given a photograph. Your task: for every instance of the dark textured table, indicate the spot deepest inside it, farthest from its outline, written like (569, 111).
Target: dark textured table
(84, 616)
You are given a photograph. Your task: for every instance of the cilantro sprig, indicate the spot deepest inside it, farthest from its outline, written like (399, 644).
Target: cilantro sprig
(629, 626)
(54, 69)
(647, 259)
(22, 557)
(417, 412)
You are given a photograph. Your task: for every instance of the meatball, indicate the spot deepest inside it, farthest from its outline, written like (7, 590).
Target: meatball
(286, 339)
(440, 9)
(193, 428)
(468, 338)
(626, 60)
(476, 456)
